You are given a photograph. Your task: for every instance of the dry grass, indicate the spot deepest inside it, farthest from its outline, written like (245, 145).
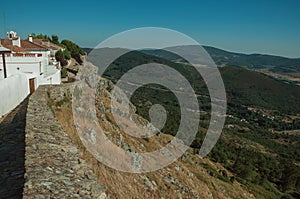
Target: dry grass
(127, 185)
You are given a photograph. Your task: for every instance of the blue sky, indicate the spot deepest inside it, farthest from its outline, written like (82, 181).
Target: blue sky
(256, 26)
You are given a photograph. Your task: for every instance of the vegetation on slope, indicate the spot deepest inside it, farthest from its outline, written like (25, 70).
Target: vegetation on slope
(255, 89)
(189, 177)
(71, 49)
(252, 145)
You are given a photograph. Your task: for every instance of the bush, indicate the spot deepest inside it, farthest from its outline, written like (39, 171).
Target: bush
(64, 53)
(72, 47)
(62, 57)
(63, 61)
(232, 179)
(64, 72)
(77, 58)
(286, 196)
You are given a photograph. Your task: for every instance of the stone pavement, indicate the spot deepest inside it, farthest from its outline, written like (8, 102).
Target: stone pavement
(54, 167)
(38, 160)
(12, 150)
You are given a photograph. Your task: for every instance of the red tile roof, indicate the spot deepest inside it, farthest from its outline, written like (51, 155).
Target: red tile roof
(32, 46)
(25, 46)
(51, 46)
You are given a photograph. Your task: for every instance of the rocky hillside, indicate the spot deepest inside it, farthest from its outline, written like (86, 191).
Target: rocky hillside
(258, 106)
(188, 177)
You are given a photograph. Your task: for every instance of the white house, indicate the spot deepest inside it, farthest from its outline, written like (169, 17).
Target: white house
(53, 48)
(27, 66)
(29, 58)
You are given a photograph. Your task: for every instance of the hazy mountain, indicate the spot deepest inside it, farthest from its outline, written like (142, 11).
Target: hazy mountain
(276, 64)
(225, 58)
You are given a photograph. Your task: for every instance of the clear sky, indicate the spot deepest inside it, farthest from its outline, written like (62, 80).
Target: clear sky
(256, 26)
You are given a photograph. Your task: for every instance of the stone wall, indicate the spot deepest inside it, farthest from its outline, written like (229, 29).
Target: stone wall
(53, 166)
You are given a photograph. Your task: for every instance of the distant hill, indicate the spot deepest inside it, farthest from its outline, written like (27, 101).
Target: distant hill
(242, 86)
(253, 88)
(87, 50)
(252, 61)
(276, 64)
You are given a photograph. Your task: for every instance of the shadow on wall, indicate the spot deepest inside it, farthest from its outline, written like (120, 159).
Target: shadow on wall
(12, 152)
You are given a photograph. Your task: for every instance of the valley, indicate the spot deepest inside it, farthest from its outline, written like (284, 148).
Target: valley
(250, 146)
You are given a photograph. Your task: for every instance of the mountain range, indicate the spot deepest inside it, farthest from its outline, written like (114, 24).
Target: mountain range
(252, 61)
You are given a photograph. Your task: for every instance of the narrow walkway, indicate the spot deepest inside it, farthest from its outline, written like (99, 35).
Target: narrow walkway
(54, 166)
(12, 152)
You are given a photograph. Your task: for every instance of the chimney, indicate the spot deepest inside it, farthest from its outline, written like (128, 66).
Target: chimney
(16, 41)
(11, 35)
(30, 38)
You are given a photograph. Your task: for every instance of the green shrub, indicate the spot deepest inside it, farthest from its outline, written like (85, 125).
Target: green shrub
(64, 72)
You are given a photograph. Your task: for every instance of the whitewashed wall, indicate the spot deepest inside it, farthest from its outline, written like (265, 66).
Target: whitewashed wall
(16, 65)
(13, 90)
(54, 79)
(34, 65)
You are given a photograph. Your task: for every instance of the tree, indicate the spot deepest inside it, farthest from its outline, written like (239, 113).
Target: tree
(55, 39)
(64, 53)
(62, 56)
(291, 177)
(40, 36)
(72, 47)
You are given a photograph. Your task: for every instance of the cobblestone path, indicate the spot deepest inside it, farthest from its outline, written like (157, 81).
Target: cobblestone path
(12, 152)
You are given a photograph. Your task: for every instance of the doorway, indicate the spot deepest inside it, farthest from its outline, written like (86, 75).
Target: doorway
(31, 85)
